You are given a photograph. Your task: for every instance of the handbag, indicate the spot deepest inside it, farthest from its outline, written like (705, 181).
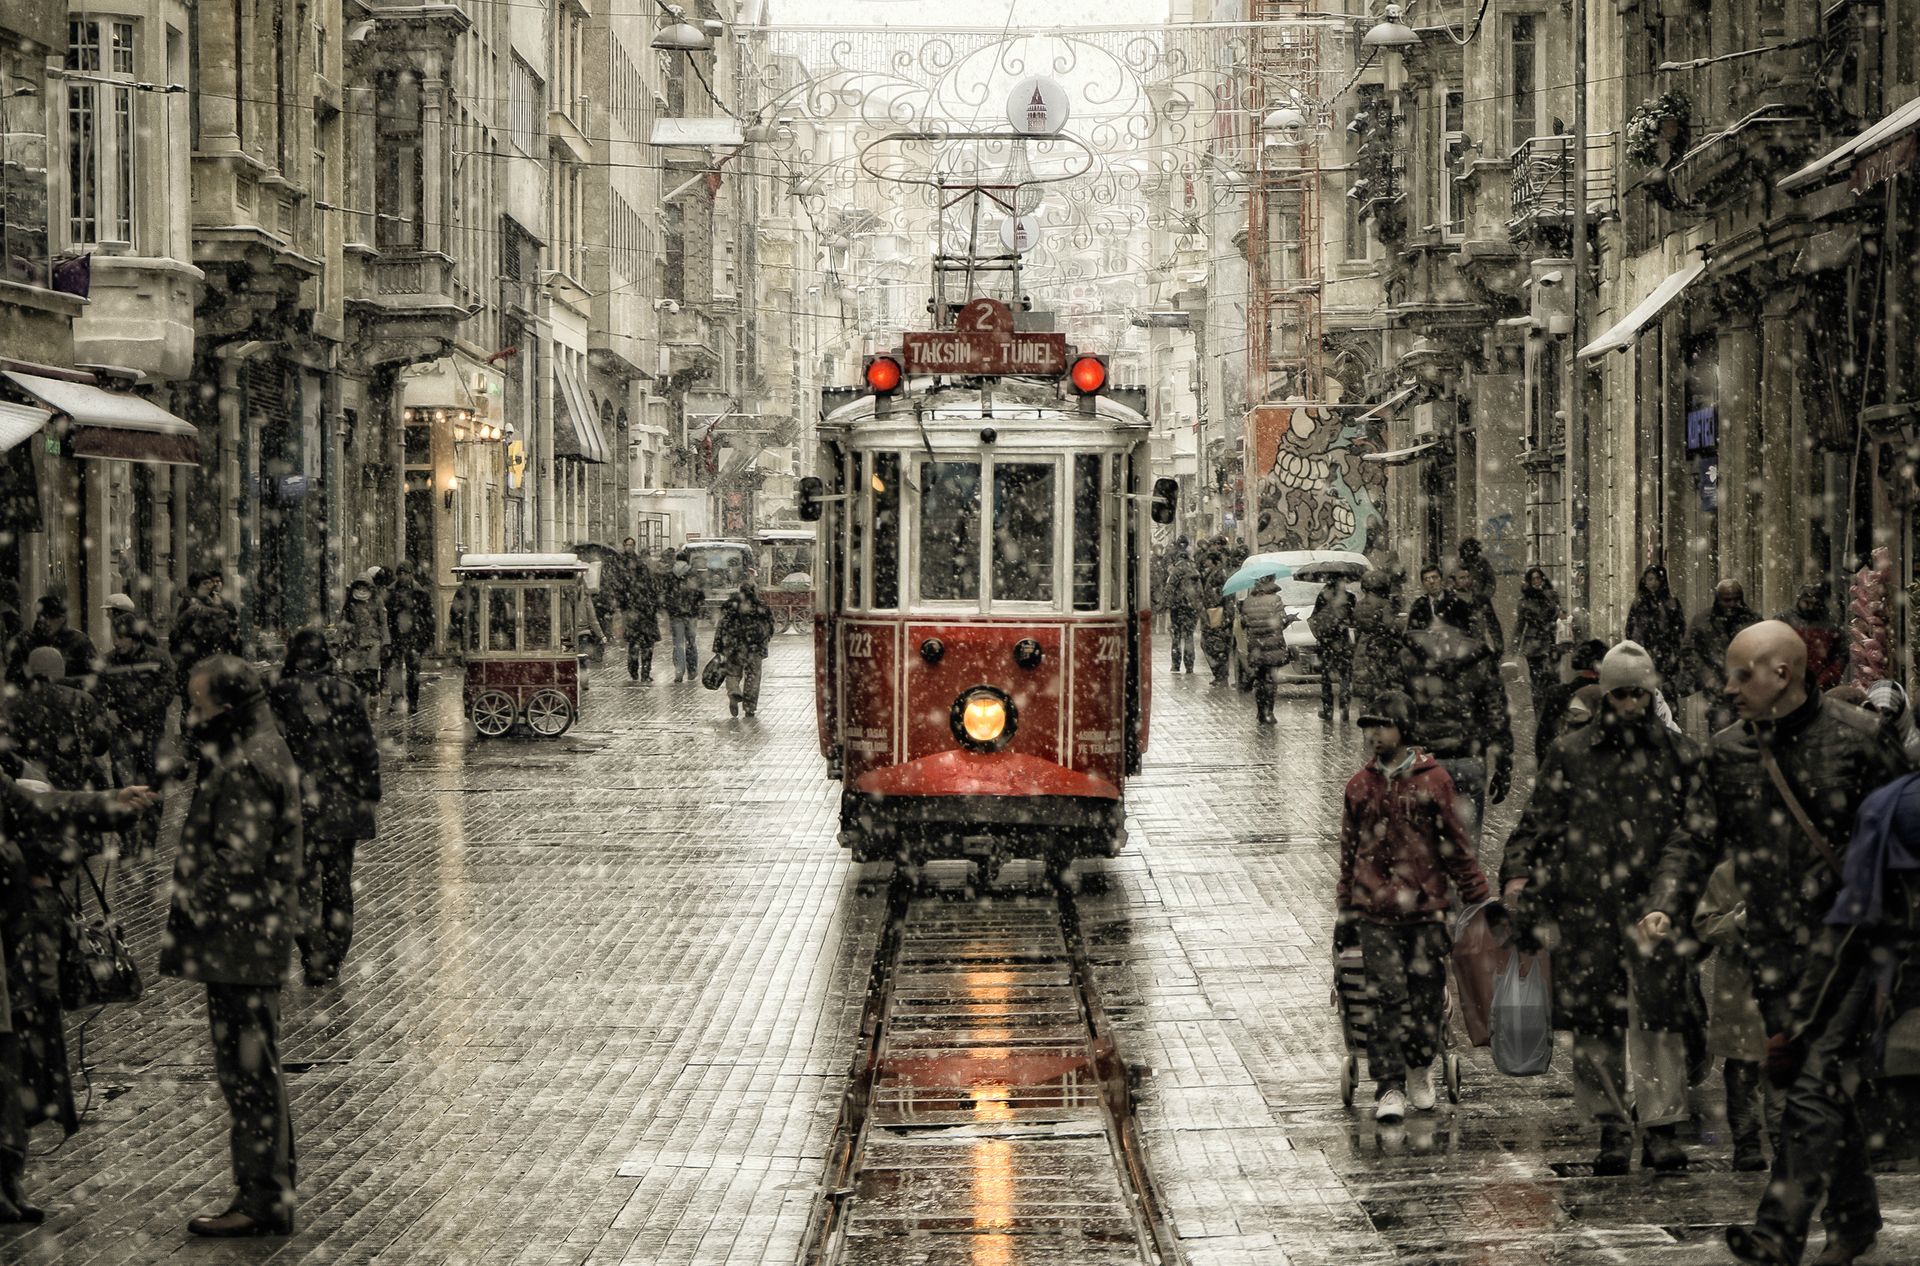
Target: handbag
(714, 675)
(95, 965)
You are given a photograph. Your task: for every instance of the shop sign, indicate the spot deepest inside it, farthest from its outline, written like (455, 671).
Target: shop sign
(1703, 430)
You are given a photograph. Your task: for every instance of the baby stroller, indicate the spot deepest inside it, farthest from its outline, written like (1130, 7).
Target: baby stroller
(1354, 999)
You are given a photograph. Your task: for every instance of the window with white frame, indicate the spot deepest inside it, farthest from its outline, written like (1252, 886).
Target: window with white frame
(100, 132)
(1451, 168)
(526, 108)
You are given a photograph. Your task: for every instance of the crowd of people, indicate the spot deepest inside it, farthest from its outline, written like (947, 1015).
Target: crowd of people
(641, 587)
(1737, 900)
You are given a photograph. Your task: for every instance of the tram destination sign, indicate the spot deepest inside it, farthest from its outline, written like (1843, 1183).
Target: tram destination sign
(983, 341)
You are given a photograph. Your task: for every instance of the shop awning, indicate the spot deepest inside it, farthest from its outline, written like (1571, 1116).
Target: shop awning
(1401, 456)
(579, 435)
(1391, 403)
(19, 423)
(1620, 336)
(1896, 129)
(110, 425)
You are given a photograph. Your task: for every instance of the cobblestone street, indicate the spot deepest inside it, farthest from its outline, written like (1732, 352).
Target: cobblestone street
(605, 992)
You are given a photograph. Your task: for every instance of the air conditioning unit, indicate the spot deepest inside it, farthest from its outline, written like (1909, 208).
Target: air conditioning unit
(1434, 419)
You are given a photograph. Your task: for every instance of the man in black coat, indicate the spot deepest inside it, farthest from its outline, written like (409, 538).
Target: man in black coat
(1708, 637)
(135, 687)
(639, 602)
(50, 628)
(1460, 713)
(234, 914)
(324, 719)
(411, 625)
(206, 624)
(57, 727)
(1787, 783)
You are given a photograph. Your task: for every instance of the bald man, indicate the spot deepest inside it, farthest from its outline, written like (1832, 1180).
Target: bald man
(1831, 755)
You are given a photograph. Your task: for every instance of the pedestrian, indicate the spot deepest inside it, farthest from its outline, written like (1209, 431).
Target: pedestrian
(60, 729)
(1735, 1033)
(1216, 613)
(1380, 651)
(741, 640)
(205, 624)
(1265, 617)
(1182, 593)
(411, 624)
(1332, 625)
(1787, 783)
(235, 911)
(1656, 622)
(1460, 712)
(1828, 649)
(1479, 569)
(1472, 585)
(1848, 1006)
(1402, 838)
(1424, 613)
(1707, 640)
(324, 721)
(1887, 699)
(134, 689)
(639, 612)
(1534, 636)
(1568, 705)
(34, 1085)
(363, 638)
(1606, 798)
(50, 628)
(684, 599)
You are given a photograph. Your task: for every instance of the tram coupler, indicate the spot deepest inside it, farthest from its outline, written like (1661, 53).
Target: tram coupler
(988, 854)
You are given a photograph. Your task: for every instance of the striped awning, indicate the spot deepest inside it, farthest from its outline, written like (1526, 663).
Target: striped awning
(579, 435)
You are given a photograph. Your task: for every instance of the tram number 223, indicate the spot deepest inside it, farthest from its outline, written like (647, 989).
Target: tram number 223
(1107, 650)
(859, 643)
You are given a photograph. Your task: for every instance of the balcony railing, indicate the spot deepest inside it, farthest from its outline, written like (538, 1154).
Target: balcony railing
(420, 282)
(1540, 196)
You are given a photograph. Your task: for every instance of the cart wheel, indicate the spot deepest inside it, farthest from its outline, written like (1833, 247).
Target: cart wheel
(549, 714)
(493, 713)
(1349, 1077)
(1453, 1078)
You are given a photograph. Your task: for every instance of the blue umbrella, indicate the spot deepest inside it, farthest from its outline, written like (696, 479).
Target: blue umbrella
(1253, 571)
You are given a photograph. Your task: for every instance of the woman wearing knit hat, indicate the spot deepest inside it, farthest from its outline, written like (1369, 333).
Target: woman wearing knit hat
(1607, 797)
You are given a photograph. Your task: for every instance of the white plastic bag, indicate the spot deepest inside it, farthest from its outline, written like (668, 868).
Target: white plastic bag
(1522, 1019)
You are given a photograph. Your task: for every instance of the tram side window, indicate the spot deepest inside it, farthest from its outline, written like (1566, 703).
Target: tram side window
(950, 532)
(857, 545)
(886, 531)
(1086, 533)
(539, 619)
(1023, 532)
(503, 633)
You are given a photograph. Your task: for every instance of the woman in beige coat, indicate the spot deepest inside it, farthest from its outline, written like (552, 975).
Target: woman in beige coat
(1735, 1032)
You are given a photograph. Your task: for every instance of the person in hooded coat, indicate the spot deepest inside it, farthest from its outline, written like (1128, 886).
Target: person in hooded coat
(1656, 622)
(324, 721)
(1605, 801)
(231, 924)
(1533, 633)
(1460, 710)
(204, 624)
(1380, 652)
(741, 639)
(1216, 613)
(1182, 592)
(411, 625)
(363, 638)
(1265, 616)
(135, 688)
(1708, 637)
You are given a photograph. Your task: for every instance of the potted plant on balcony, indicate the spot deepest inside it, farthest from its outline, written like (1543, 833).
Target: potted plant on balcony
(1659, 129)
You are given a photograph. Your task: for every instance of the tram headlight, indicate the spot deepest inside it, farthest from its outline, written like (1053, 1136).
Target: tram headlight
(984, 719)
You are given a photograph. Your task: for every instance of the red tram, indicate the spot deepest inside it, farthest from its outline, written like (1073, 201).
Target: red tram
(981, 616)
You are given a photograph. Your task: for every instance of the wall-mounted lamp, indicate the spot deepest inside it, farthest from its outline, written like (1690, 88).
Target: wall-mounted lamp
(453, 486)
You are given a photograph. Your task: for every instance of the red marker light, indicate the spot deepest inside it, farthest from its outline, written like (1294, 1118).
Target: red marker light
(1089, 375)
(883, 375)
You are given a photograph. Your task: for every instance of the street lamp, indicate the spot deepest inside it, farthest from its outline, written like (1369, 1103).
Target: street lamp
(1390, 35)
(680, 35)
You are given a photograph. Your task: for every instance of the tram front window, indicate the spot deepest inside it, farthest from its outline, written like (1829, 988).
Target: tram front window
(950, 532)
(1023, 532)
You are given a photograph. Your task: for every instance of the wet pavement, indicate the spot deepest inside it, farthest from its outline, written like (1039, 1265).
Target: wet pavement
(606, 992)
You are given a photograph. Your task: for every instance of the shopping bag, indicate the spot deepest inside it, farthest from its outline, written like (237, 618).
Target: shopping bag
(1478, 953)
(1522, 1018)
(714, 675)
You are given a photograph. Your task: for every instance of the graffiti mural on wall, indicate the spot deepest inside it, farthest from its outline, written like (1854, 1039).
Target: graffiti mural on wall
(1313, 490)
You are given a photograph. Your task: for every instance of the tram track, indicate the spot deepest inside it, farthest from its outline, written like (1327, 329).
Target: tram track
(988, 1115)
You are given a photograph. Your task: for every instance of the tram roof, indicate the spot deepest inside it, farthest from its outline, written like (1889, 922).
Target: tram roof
(960, 407)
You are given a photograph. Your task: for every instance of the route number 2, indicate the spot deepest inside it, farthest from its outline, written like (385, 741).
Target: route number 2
(859, 644)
